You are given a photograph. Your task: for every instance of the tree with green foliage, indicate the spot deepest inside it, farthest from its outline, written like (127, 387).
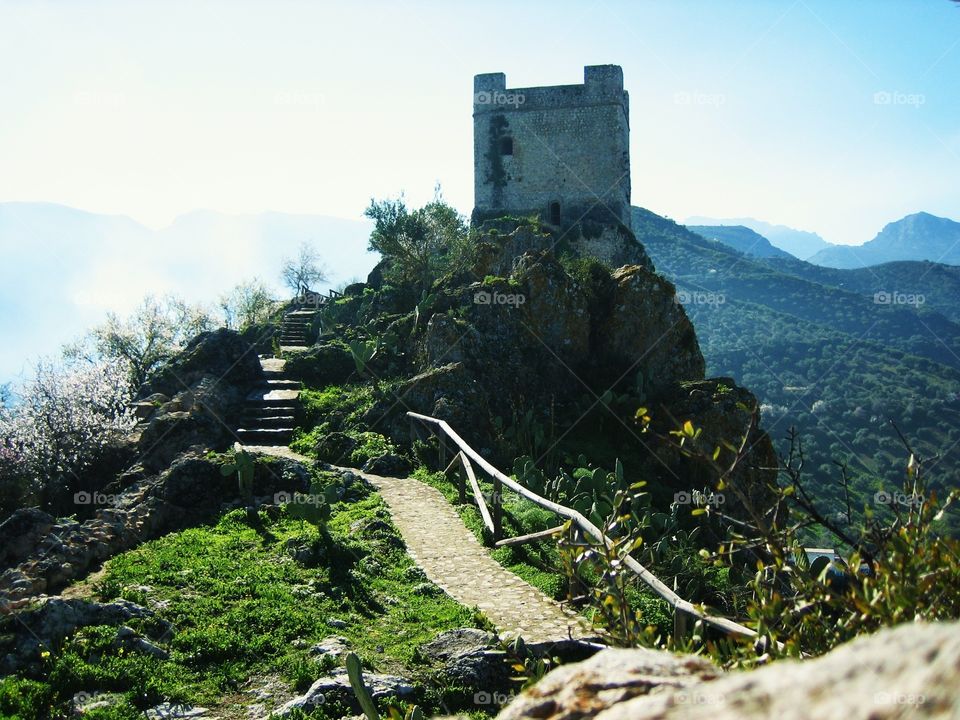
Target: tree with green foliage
(155, 331)
(248, 303)
(419, 245)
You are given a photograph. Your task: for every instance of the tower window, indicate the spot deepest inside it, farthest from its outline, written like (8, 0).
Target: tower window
(554, 213)
(506, 146)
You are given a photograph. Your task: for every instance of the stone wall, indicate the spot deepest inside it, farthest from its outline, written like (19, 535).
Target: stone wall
(564, 145)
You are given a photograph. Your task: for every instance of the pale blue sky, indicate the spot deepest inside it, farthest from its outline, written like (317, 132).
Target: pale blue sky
(764, 108)
(154, 109)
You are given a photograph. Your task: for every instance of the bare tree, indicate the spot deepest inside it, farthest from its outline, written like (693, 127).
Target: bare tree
(307, 268)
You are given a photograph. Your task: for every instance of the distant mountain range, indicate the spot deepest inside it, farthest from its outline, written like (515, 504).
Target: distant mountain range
(740, 238)
(920, 236)
(799, 243)
(838, 353)
(63, 268)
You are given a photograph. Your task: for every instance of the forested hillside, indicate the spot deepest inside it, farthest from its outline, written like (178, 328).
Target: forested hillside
(825, 357)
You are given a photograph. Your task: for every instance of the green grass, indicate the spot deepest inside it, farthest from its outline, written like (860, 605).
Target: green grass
(236, 601)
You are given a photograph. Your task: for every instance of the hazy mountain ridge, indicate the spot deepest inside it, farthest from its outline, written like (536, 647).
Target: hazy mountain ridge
(799, 243)
(93, 262)
(920, 236)
(741, 238)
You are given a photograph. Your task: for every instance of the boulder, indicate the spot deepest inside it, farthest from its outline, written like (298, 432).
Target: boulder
(469, 658)
(389, 465)
(21, 533)
(335, 447)
(612, 676)
(335, 646)
(221, 354)
(335, 690)
(328, 363)
(911, 671)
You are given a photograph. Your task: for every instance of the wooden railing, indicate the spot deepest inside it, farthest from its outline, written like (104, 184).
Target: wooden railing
(492, 519)
(318, 299)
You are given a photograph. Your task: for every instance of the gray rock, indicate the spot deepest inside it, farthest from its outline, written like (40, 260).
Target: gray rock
(335, 623)
(333, 646)
(131, 641)
(336, 689)
(165, 711)
(611, 676)
(389, 465)
(911, 671)
(469, 658)
(458, 643)
(21, 533)
(53, 619)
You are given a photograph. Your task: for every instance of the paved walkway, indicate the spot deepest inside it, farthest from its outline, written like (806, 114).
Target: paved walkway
(453, 558)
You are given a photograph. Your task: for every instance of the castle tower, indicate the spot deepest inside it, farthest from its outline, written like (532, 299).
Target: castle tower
(562, 151)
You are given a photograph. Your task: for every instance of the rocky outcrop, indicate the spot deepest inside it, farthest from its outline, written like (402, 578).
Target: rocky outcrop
(912, 671)
(207, 383)
(648, 331)
(191, 491)
(26, 635)
(221, 354)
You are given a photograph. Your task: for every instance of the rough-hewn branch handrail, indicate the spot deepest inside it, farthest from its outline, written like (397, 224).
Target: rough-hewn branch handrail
(677, 602)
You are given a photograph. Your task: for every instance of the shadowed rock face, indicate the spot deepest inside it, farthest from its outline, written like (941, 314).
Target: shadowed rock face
(524, 331)
(909, 671)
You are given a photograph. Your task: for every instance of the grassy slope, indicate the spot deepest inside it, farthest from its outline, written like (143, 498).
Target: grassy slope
(242, 609)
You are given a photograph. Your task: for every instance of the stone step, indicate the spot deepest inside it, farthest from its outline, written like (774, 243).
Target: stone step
(265, 436)
(270, 405)
(281, 384)
(278, 421)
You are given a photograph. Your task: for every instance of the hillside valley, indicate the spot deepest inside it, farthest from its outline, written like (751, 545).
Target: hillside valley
(823, 356)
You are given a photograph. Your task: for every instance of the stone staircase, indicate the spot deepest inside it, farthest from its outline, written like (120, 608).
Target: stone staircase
(268, 418)
(295, 330)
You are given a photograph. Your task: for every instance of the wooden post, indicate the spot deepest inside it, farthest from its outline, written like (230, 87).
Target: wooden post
(497, 509)
(443, 448)
(462, 484)
(680, 625)
(413, 431)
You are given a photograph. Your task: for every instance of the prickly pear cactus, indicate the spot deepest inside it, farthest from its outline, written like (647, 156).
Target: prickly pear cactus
(242, 465)
(355, 673)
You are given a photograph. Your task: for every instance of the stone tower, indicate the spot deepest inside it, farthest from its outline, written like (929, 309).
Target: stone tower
(561, 152)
